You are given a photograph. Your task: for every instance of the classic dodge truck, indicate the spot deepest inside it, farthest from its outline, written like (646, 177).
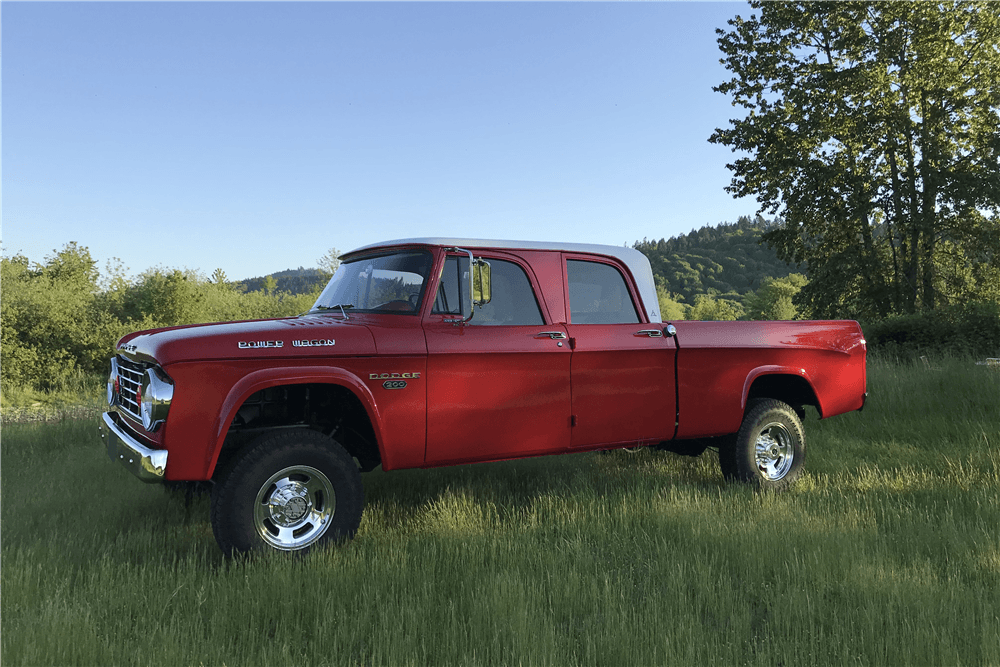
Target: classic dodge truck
(434, 352)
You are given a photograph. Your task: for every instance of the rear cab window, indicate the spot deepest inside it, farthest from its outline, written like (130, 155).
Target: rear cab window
(598, 294)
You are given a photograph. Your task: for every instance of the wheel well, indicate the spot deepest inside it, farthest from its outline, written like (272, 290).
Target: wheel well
(791, 389)
(330, 409)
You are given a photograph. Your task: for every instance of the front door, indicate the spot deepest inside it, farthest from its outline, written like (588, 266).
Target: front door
(498, 386)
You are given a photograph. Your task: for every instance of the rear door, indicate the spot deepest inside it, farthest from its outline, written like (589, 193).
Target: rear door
(498, 386)
(622, 367)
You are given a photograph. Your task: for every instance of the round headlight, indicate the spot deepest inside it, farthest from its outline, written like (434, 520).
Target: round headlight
(113, 383)
(157, 392)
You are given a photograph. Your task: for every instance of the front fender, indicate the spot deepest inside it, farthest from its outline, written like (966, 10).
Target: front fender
(256, 381)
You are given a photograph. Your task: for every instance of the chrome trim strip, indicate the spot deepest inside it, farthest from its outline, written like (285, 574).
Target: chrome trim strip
(147, 464)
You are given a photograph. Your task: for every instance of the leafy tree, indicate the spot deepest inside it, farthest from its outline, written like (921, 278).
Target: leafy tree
(329, 263)
(671, 309)
(62, 318)
(707, 307)
(872, 128)
(269, 285)
(48, 318)
(775, 299)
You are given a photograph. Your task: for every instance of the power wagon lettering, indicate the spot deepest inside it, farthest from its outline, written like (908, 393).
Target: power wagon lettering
(243, 345)
(484, 324)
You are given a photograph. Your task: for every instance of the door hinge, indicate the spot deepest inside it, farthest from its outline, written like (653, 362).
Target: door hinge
(572, 420)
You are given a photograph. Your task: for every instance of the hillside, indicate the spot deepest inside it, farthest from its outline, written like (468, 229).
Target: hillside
(725, 261)
(293, 281)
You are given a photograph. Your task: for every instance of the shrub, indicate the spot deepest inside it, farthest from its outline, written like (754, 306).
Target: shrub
(970, 329)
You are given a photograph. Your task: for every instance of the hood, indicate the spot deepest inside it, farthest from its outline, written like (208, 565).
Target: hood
(287, 338)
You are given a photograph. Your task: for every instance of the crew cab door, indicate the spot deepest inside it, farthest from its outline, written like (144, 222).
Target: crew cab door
(622, 367)
(498, 386)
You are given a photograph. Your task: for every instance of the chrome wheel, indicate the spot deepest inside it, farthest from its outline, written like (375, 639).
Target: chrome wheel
(294, 507)
(774, 451)
(770, 448)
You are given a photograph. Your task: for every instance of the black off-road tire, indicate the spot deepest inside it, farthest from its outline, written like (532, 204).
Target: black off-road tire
(769, 450)
(289, 490)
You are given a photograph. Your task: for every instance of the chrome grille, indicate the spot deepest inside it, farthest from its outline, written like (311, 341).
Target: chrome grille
(130, 383)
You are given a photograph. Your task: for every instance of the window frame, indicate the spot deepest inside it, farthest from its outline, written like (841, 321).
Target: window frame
(488, 255)
(622, 270)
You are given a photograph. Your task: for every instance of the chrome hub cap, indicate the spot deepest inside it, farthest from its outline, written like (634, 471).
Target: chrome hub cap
(289, 504)
(774, 451)
(294, 508)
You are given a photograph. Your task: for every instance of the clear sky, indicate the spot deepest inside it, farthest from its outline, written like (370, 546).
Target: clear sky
(253, 137)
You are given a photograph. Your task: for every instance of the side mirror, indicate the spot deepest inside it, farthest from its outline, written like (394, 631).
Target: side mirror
(481, 290)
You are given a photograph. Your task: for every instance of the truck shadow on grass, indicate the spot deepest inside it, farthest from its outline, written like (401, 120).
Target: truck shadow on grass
(476, 498)
(497, 493)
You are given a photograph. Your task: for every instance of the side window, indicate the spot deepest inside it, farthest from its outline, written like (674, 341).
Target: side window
(513, 299)
(598, 294)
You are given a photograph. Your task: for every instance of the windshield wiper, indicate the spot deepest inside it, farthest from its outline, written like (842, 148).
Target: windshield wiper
(341, 306)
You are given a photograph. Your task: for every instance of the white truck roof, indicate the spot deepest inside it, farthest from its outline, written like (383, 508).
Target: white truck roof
(636, 262)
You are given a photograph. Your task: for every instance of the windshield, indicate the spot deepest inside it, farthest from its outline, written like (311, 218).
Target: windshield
(383, 283)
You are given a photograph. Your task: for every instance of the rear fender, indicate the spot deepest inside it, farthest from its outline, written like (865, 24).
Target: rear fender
(794, 374)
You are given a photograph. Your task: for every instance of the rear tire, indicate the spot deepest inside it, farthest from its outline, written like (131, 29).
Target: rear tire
(769, 450)
(290, 490)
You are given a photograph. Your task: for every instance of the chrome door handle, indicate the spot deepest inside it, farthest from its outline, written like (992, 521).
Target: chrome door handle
(652, 333)
(554, 335)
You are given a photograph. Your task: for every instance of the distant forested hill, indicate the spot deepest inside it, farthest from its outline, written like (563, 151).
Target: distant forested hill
(725, 261)
(292, 281)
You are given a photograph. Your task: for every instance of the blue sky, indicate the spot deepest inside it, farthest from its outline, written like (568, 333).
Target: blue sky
(252, 137)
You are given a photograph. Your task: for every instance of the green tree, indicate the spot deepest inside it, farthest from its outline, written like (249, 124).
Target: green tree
(269, 285)
(48, 323)
(708, 307)
(873, 129)
(61, 319)
(671, 309)
(775, 299)
(329, 263)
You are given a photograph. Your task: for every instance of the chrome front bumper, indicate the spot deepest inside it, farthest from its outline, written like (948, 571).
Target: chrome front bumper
(147, 464)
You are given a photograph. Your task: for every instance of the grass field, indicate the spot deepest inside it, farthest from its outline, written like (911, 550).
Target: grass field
(886, 553)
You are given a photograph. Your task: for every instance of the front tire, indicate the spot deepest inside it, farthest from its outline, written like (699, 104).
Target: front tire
(288, 491)
(769, 450)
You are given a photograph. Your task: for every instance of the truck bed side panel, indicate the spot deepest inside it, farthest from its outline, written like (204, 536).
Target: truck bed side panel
(717, 362)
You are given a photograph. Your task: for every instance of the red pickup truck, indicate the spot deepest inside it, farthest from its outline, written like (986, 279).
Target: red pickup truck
(434, 352)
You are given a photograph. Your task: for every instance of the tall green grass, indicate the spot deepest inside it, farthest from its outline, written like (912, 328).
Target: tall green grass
(887, 552)
(74, 394)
